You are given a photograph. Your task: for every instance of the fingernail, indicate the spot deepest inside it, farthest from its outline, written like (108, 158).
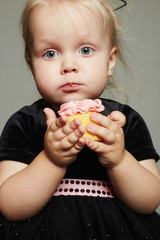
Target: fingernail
(90, 126)
(94, 115)
(81, 141)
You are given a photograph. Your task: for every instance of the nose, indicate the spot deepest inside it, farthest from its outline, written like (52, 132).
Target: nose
(69, 66)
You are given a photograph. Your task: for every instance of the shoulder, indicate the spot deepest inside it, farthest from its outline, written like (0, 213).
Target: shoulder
(138, 140)
(33, 109)
(134, 121)
(28, 121)
(22, 136)
(111, 105)
(30, 114)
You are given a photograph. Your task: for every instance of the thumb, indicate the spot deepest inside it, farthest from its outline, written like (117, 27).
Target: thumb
(118, 117)
(50, 115)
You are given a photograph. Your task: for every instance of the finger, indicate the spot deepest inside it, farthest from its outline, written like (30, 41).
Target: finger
(73, 139)
(93, 145)
(50, 115)
(62, 130)
(104, 121)
(58, 123)
(76, 149)
(78, 146)
(61, 121)
(98, 147)
(107, 135)
(53, 123)
(70, 127)
(118, 117)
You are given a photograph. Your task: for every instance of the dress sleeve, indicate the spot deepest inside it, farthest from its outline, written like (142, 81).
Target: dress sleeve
(137, 137)
(22, 138)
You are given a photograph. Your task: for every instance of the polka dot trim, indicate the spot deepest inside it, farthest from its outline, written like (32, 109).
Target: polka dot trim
(80, 187)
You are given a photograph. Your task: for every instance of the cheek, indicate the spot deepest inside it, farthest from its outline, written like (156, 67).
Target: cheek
(40, 86)
(41, 75)
(100, 71)
(42, 81)
(98, 82)
(39, 79)
(100, 74)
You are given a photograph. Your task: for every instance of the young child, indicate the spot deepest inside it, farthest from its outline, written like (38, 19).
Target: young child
(54, 184)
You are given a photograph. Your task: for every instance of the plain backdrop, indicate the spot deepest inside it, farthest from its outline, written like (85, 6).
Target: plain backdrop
(141, 20)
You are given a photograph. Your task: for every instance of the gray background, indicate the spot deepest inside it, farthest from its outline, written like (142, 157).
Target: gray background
(142, 84)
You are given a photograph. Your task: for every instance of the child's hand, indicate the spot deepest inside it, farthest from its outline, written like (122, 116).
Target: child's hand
(111, 149)
(62, 142)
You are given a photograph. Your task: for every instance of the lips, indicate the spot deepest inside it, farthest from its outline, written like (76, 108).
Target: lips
(70, 87)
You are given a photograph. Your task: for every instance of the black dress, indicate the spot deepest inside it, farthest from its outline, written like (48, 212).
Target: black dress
(78, 217)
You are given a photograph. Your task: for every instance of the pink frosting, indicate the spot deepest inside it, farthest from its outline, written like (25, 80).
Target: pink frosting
(73, 107)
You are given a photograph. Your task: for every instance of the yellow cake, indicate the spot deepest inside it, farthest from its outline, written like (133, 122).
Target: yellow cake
(82, 110)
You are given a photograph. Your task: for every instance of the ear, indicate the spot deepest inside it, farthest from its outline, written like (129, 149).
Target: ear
(112, 60)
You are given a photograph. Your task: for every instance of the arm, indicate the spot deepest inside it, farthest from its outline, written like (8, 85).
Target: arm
(26, 189)
(137, 184)
(25, 193)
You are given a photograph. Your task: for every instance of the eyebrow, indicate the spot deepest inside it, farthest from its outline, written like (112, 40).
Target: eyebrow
(48, 42)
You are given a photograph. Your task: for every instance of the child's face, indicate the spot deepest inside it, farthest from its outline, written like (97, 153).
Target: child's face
(71, 57)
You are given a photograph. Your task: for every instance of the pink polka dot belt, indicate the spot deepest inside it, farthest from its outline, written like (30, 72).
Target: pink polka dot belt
(82, 187)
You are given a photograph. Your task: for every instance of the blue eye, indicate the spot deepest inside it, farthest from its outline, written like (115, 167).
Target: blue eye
(86, 51)
(50, 54)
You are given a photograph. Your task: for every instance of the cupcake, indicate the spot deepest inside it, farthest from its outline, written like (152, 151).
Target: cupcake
(82, 110)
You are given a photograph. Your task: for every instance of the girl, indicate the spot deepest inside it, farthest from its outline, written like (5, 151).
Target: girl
(49, 188)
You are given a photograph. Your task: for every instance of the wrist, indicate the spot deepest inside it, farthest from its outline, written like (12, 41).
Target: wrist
(54, 162)
(120, 162)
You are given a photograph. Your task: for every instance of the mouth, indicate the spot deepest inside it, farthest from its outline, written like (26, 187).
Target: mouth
(70, 87)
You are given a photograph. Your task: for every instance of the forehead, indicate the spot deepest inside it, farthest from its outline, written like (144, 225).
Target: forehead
(73, 14)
